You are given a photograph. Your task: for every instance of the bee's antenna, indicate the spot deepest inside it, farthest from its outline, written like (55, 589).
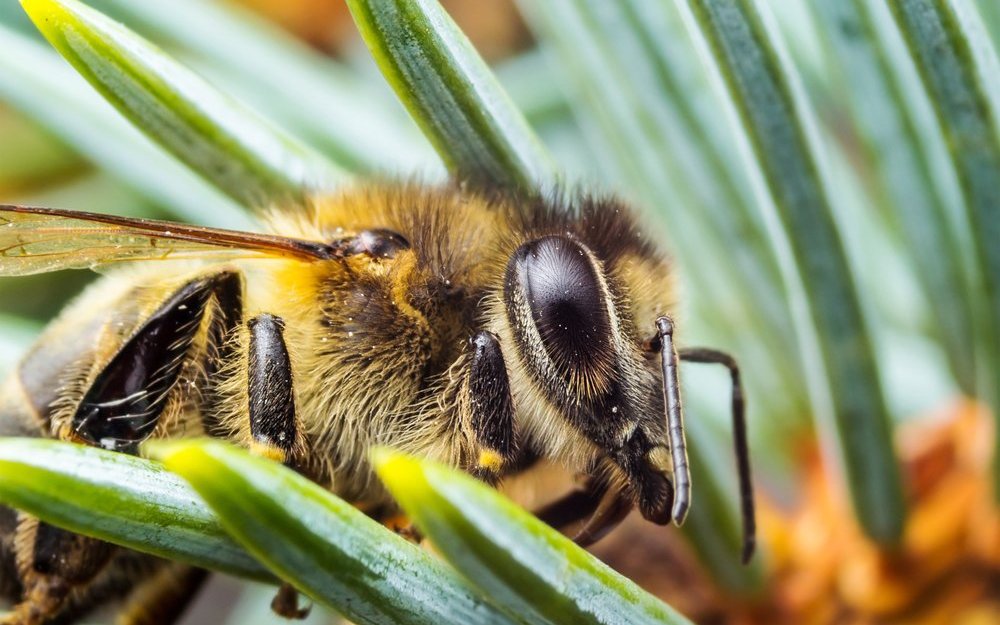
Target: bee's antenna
(675, 420)
(700, 354)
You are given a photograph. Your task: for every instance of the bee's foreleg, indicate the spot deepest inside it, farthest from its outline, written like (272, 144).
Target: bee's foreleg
(273, 426)
(574, 506)
(489, 409)
(601, 507)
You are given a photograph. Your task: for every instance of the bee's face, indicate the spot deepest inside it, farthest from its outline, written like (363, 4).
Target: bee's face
(571, 332)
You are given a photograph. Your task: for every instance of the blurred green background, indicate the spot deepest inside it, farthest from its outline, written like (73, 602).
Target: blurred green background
(622, 98)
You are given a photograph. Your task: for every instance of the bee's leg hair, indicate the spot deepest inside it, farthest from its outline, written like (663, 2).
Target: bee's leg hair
(227, 318)
(489, 409)
(740, 444)
(52, 563)
(273, 426)
(602, 507)
(162, 599)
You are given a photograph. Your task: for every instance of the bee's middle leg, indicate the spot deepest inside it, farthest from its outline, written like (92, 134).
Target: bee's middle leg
(273, 424)
(271, 397)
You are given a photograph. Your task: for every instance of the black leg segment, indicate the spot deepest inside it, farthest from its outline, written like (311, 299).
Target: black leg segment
(712, 356)
(603, 509)
(491, 407)
(125, 400)
(273, 426)
(271, 394)
(53, 565)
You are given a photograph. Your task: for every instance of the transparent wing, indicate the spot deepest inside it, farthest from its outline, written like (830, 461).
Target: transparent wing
(36, 240)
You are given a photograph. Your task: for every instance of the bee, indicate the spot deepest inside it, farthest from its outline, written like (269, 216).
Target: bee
(485, 329)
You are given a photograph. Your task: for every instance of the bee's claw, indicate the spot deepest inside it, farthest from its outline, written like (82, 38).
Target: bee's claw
(286, 603)
(401, 525)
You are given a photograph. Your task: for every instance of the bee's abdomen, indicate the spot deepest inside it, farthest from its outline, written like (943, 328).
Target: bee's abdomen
(33, 389)
(43, 371)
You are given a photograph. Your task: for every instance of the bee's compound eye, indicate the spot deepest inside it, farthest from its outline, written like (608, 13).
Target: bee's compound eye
(378, 243)
(567, 302)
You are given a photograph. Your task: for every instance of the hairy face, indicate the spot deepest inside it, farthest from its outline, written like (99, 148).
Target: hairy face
(575, 343)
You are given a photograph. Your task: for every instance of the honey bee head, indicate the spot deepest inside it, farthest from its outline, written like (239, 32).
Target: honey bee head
(572, 333)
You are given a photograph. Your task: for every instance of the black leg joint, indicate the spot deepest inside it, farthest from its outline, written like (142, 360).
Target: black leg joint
(491, 405)
(271, 394)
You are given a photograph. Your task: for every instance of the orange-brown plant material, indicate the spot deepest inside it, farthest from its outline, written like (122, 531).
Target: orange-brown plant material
(821, 570)
(494, 26)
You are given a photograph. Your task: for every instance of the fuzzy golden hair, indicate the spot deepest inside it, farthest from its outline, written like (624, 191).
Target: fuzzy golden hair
(378, 346)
